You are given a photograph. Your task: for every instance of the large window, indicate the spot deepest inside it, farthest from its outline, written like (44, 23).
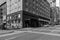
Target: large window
(19, 15)
(7, 18)
(10, 17)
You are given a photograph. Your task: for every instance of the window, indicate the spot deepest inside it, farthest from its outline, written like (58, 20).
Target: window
(1, 17)
(54, 1)
(7, 18)
(37, 0)
(19, 15)
(19, 0)
(1, 13)
(19, 20)
(10, 17)
(33, 0)
(25, 0)
(10, 0)
(45, 0)
(27, 4)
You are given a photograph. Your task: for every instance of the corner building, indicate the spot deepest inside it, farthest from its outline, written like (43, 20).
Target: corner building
(33, 13)
(36, 13)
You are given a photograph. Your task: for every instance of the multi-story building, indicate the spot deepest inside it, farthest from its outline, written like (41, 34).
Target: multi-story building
(3, 12)
(54, 11)
(28, 13)
(58, 11)
(14, 13)
(1, 17)
(53, 15)
(36, 13)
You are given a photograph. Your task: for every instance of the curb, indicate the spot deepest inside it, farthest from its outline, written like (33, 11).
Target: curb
(7, 32)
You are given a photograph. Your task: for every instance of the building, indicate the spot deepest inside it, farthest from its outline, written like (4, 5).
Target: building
(51, 16)
(14, 13)
(54, 15)
(58, 10)
(54, 4)
(25, 13)
(3, 12)
(54, 12)
(1, 17)
(36, 13)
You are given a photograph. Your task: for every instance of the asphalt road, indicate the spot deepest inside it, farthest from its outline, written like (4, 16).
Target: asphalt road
(30, 36)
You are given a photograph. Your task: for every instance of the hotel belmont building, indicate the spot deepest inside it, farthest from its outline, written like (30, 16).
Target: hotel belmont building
(27, 13)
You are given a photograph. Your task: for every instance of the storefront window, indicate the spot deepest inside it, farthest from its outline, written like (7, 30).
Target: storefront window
(19, 20)
(7, 18)
(10, 17)
(19, 15)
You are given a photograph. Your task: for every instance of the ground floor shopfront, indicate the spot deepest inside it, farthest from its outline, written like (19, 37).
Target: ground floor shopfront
(31, 20)
(25, 19)
(14, 20)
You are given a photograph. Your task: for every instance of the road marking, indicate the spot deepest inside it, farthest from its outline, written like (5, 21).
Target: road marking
(11, 33)
(11, 38)
(29, 32)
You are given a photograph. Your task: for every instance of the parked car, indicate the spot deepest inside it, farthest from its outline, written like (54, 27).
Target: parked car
(46, 25)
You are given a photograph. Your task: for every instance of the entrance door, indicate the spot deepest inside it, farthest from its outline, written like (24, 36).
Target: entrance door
(34, 23)
(27, 23)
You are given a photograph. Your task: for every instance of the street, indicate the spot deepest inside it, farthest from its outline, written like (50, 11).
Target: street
(29, 36)
(29, 20)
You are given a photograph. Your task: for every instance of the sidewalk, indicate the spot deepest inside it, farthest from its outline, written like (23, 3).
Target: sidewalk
(5, 32)
(55, 30)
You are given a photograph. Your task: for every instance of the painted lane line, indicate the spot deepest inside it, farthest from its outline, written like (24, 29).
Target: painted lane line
(30, 32)
(11, 34)
(11, 38)
(15, 37)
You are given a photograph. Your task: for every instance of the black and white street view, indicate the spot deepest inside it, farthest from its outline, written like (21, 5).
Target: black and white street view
(29, 19)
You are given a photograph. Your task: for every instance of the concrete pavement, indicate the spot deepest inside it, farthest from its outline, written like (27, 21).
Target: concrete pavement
(55, 30)
(51, 33)
(29, 35)
(5, 32)
(41, 29)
